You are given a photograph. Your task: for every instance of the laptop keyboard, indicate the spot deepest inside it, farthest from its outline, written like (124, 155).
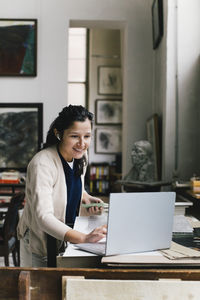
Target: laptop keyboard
(96, 248)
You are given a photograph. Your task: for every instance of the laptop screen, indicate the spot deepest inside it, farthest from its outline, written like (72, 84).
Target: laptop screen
(139, 222)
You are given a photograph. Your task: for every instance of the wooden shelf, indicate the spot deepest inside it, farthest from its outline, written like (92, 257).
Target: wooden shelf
(9, 189)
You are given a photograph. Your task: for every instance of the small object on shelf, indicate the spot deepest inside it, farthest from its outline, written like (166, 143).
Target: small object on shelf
(181, 184)
(195, 184)
(10, 181)
(5, 199)
(11, 176)
(196, 195)
(195, 181)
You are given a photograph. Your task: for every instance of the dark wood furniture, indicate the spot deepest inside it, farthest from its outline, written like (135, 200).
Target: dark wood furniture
(9, 189)
(194, 210)
(46, 283)
(8, 235)
(139, 186)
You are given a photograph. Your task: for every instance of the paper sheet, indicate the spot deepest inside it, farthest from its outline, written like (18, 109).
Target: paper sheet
(181, 224)
(177, 251)
(87, 224)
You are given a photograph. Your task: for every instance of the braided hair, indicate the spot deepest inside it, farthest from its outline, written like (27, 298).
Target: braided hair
(65, 120)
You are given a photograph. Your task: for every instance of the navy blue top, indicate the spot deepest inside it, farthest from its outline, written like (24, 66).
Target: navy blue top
(74, 189)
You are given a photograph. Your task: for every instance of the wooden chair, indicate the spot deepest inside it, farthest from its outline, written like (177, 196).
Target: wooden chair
(8, 233)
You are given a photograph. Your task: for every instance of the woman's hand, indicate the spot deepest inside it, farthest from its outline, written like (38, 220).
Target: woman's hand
(76, 237)
(88, 199)
(96, 234)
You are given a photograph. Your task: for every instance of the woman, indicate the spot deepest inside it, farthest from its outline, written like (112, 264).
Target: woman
(55, 188)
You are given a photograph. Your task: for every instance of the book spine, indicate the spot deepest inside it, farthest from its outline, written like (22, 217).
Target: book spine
(91, 186)
(97, 173)
(9, 181)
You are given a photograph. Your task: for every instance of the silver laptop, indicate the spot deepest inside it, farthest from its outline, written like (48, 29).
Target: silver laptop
(137, 222)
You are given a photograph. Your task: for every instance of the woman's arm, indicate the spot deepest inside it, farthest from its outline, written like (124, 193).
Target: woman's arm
(76, 237)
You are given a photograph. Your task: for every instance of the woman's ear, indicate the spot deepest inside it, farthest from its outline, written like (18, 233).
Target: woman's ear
(57, 134)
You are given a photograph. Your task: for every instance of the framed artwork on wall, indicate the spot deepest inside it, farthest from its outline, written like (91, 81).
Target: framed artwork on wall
(157, 22)
(21, 134)
(108, 112)
(109, 80)
(18, 47)
(108, 140)
(152, 126)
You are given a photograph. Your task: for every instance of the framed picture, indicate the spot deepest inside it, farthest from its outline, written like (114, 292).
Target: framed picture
(108, 141)
(18, 47)
(21, 132)
(157, 22)
(153, 138)
(108, 112)
(109, 80)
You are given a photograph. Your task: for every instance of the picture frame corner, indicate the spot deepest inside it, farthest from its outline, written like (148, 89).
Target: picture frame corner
(25, 61)
(37, 132)
(157, 22)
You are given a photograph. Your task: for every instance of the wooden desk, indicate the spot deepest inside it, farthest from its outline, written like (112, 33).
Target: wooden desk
(46, 283)
(76, 258)
(189, 195)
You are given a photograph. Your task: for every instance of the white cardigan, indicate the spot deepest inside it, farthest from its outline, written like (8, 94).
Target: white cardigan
(46, 200)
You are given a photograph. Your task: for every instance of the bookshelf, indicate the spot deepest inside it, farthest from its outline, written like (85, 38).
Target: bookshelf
(102, 179)
(11, 182)
(99, 179)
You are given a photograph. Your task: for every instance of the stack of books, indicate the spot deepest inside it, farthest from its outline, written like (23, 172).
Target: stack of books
(195, 185)
(99, 178)
(182, 227)
(10, 177)
(5, 199)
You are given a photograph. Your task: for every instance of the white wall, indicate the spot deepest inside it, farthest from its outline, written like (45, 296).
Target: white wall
(189, 86)
(167, 104)
(181, 109)
(50, 85)
(104, 51)
(147, 74)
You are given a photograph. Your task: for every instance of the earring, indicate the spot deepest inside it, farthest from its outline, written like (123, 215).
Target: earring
(58, 137)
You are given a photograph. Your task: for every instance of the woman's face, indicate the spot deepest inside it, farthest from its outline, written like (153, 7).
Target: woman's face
(76, 140)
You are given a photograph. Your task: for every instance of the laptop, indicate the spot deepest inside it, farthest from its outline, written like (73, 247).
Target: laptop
(137, 222)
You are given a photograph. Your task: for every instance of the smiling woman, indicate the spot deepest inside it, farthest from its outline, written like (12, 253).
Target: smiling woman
(55, 189)
(75, 140)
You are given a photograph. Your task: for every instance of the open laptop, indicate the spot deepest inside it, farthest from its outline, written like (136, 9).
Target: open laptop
(137, 222)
